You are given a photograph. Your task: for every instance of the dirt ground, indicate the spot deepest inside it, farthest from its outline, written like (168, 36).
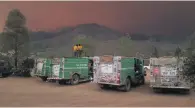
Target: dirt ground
(32, 92)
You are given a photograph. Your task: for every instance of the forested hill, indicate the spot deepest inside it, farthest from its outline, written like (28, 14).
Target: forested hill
(105, 40)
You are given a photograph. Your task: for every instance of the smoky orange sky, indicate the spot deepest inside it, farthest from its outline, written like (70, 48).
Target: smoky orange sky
(169, 18)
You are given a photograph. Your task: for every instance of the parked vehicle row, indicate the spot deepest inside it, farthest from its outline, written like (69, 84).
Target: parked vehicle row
(120, 72)
(109, 71)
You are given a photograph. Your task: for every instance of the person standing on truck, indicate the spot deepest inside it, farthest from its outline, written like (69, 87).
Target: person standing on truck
(75, 49)
(80, 48)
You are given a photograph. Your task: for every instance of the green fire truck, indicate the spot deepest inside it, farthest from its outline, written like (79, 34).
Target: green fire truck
(71, 70)
(117, 71)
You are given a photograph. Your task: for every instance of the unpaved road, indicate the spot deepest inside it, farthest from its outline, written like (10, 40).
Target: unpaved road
(35, 93)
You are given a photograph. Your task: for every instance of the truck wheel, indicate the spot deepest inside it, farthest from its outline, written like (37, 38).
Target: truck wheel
(127, 86)
(75, 79)
(44, 78)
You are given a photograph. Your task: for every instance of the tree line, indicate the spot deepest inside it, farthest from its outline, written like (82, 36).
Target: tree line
(158, 38)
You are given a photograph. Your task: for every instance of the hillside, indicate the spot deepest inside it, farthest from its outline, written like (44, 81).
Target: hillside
(97, 31)
(65, 36)
(105, 40)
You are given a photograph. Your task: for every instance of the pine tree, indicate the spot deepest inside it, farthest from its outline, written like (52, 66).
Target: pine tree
(15, 35)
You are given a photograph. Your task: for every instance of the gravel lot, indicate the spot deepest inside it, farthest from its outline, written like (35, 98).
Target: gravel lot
(35, 93)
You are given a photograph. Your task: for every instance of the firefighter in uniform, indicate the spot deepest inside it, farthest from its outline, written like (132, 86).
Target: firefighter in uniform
(80, 47)
(75, 49)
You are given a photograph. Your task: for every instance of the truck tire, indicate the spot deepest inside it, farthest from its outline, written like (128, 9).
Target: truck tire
(75, 79)
(127, 86)
(44, 78)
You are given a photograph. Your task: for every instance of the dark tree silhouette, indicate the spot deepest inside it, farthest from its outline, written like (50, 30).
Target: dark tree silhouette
(16, 35)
